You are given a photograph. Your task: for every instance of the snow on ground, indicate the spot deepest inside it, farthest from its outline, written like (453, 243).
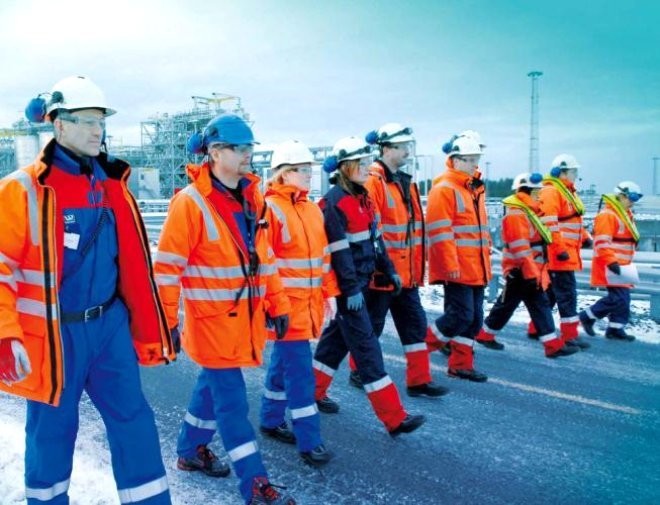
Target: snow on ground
(91, 482)
(641, 325)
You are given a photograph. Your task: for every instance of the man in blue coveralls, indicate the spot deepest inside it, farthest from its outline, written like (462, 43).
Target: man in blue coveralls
(78, 305)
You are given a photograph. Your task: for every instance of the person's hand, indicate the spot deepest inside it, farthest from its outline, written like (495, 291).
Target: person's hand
(587, 243)
(176, 339)
(355, 302)
(397, 283)
(281, 325)
(14, 361)
(453, 275)
(615, 268)
(329, 309)
(563, 256)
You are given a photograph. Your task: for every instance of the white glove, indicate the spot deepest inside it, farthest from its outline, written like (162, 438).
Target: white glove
(329, 310)
(20, 368)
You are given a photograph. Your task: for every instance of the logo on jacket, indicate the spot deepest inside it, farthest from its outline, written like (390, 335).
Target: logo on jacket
(69, 218)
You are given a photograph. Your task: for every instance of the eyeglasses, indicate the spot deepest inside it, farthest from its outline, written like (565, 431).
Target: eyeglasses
(402, 145)
(468, 159)
(237, 148)
(87, 122)
(302, 170)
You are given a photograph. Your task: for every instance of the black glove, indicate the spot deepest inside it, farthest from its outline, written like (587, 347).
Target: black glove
(397, 283)
(281, 325)
(514, 274)
(563, 256)
(615, 268)
(176, 339)
(587, 243)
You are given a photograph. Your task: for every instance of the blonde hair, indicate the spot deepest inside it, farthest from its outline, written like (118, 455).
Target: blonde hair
(278, 176)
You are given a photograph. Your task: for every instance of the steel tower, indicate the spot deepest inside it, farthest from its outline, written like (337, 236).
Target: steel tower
(534, 123)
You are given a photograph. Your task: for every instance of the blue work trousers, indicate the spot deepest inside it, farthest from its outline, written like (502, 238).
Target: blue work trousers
(464, 311)
(290, 383)
(407, 313)
(615, 306)
(219, 402)
(99, 359)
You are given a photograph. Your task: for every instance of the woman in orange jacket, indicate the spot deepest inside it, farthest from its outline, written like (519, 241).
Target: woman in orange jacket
(615, 239)
(214, 250)
(459, 253)
(295, 229)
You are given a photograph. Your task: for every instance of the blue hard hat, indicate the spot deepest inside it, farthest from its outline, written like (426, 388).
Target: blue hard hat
(223, 129)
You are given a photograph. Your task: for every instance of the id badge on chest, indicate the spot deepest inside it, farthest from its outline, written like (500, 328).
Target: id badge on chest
(71, 240)
(71, 232)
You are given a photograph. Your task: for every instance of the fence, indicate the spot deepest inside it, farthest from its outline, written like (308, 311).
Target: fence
(648, 265)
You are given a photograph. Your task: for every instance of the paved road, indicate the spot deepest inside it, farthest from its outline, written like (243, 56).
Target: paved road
(578, 430)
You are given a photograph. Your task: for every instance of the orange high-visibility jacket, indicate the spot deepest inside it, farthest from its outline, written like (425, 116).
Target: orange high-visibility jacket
(297, 236)
(402, 225)
(457, 230)
(200, 254)
(613, 242)
(31, 267)
(523, 245)
(565, 224)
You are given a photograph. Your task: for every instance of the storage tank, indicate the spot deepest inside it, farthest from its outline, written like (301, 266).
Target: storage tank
(26, 149)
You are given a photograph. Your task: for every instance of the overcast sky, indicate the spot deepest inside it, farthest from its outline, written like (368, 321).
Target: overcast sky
(318, 71)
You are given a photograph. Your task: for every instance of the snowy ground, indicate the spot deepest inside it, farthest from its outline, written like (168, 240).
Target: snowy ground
(92, 482)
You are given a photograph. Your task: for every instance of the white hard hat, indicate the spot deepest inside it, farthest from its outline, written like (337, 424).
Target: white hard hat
(527, 180)
(629, 189)
(474, 135)
(75, 93)
(464, 146)
(290, 152)
(351, 148)
(393, 133)
(565, 161)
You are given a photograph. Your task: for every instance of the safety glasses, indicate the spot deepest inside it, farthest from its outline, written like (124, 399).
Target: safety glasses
(237, 148)
(86, 122)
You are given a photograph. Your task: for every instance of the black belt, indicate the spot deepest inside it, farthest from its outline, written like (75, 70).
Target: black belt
(88, 314)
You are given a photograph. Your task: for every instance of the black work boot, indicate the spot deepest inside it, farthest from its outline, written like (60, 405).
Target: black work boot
(318, 456)
(428, 389)
(567, 350)
(355, 380)
(204, 461)
(587, 323)
(408, 425)
(281, 433)
(471, 375)
(327, 405)
(618, 334)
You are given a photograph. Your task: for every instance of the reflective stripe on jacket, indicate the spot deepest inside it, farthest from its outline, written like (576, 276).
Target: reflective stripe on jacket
(202, 253)
(30, 272)
(354, 240)
(297, 236)
(402, 224)
(613, 242)
(566, 226)
(457, 230)
(523, 244)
